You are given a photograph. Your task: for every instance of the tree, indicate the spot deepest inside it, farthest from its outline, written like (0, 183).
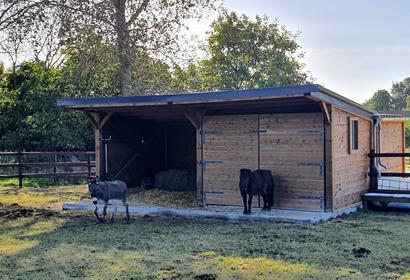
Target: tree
(91, 72)
(244, 53)
(401, 94)
(380, 101)
(29, 119)
(151, 26)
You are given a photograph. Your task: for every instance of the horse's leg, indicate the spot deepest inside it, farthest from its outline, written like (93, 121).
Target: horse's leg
(243, 194)
(96, 213)
(265, 202)
(250, 204)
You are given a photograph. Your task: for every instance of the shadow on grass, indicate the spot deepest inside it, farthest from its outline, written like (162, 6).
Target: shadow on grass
(76, 246)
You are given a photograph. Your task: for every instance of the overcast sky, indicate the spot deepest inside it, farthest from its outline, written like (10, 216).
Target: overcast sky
(351, 47)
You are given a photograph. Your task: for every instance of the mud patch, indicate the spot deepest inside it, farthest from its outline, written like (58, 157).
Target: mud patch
(14, 211)
(361, 252)
(206, 276)
(405, 261)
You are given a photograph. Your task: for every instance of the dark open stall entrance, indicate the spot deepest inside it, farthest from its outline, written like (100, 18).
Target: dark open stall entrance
(140, 148)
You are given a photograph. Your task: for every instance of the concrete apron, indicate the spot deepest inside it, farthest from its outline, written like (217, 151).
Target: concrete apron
(231, 213)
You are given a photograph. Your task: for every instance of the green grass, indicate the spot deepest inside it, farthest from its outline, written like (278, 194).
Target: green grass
(66, 246)
(38, 182)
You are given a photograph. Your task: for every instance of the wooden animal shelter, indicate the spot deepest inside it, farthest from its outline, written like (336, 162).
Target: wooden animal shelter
(314, 141)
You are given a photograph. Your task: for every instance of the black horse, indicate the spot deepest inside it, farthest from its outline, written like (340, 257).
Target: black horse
(258, 182)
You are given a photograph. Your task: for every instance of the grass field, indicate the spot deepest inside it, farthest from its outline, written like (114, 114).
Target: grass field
(39, 242)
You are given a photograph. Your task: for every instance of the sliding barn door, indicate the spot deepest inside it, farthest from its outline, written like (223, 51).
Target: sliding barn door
(291, 146)
(229, 144)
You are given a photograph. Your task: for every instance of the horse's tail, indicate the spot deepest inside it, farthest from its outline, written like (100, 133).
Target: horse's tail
(270, 186)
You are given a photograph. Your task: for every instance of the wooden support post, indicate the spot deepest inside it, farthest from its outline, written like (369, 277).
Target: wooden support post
(98, 125)
(98, 150)
(20, 167)
(199, 158)
(89, 165)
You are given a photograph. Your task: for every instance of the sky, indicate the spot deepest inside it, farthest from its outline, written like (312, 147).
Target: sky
(351, 47)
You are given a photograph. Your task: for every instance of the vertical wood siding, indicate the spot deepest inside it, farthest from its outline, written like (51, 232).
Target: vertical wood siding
(391, 138)
(290, 145)
(350, 171)
(229, 144)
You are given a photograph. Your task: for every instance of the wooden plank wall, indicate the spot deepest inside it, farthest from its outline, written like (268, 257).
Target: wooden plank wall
(392, 135)
(290, 145)
(229, 144)
(350, 170)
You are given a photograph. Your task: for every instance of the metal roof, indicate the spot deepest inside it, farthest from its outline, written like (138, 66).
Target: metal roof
(310, 90)
(395, 115)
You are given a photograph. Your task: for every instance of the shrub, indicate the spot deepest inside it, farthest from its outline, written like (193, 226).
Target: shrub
(176, 180)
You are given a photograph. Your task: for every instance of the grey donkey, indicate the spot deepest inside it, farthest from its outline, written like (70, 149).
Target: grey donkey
(105, 191)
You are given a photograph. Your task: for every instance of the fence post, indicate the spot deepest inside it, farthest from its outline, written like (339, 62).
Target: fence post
(89, 165)
(20, 170)
(55, 169)
(373, 172)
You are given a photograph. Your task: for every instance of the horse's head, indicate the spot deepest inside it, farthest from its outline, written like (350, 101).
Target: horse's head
(94, 189)
(244, 178)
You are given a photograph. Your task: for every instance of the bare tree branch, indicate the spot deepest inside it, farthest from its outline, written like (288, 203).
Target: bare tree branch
(135, 15)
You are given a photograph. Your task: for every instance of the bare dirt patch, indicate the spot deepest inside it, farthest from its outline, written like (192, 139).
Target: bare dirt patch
(15, 211)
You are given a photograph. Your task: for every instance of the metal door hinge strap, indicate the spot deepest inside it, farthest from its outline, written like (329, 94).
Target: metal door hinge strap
(319, 164)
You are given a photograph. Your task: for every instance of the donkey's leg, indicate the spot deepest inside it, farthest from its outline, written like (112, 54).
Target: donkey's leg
(105, 210)
(250, 204)
(125, 203)
(244, 202)
(96, 213)
(113, 214)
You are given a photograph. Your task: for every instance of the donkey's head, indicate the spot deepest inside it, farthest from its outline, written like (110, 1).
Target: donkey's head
(244, 179)
(94, 189)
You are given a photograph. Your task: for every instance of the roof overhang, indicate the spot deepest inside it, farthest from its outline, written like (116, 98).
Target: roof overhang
(395, 116)
(206, 99)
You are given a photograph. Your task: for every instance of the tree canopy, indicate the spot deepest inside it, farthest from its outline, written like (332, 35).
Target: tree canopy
(79, 56)
(245, 53)
(380, 101)
(149, 25)
(29, 119)
(397, 99)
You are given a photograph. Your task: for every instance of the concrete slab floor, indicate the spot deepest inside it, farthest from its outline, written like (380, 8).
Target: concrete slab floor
(232, 213)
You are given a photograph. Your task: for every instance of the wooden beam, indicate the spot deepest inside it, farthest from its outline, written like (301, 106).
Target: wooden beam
(98, 150)
(325, 111)
(91, 118)
(105, 119)
(192, 117)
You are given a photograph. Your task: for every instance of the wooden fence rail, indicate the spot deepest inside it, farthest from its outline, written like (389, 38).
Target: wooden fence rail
(20, 162)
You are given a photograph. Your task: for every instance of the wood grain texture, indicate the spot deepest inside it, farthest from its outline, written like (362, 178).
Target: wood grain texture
(349, 171)
(391, 141)
(290, 145)
(229, 144)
